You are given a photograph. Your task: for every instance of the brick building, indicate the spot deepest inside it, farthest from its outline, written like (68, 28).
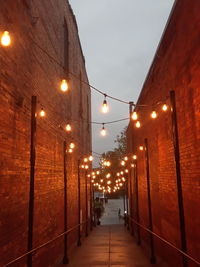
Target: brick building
(45, 48)
(175, 67)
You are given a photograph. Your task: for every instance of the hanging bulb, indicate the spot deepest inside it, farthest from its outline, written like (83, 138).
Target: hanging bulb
(70, 150)
(68, 128)
(42, 113)
(134, 157)
(138, 124)
(141, 148)
(98, 172)
(108, 163)
(105, 105)
(134, 116)
(164, 107)
(86, 167)
(153, 114)
(103, 131)
(126, 171)
(5, 39)
(64, 86)
(91, 158)
(72, 145)
(85, 159)
(122, 162)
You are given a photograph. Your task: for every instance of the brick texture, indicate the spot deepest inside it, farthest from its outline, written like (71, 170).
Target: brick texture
(175, 67)
(37, 28)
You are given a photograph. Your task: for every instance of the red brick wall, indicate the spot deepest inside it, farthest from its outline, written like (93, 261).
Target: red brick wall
(175, 67)
(26, 70)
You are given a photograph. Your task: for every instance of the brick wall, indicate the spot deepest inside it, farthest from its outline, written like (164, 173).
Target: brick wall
(175, 67)
(37, 28)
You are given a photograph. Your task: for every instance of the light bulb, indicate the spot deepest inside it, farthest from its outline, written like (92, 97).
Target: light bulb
(101, 180)
(82, 166)
(164, 107)
(118, 174)
(98, 172)
(85, 160)
(64, 86)
(153, 114)
(86, 167)
(70, 150)
(141, 148)
(108, 175)
(108, 163)
(122, 162)
(103, 131)
(134, 157)
(105, 106)
(126, 171)
(132, 165)
(72, 145)
(91, 158)
(68, 128)
(138, 124)
(122, 172)
(134, 116)
(5, 39)
(109, 182)
(42, 113)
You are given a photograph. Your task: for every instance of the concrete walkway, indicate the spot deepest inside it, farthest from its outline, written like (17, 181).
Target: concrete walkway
(106, 246)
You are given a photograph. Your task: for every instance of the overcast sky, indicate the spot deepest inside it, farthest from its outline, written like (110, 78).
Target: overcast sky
(119, 39)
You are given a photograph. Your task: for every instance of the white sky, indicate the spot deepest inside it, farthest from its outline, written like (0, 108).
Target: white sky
(119, 39)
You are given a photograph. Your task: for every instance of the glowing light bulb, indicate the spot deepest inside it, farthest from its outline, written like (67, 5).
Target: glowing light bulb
(122, 172)
(138, 124)
(103, 131)
(5, 39)
(86, 167)
(132, 165)
(105, 106)
(109, 182)
(153, 114)
(98, 172)
(122, 162)
(72, 145)
(134, 116)
(64, 86)
(101, 180)
(164, 107)
(88, 175)
(108, 163)
(134, 157)
(42, 113)
(68, 128)
(108, 175)
(126, 170)
(141, 148)
(118, 174)
(85, 160)
(126, 158)
(70, 150)
(91, 158)
(93, 173)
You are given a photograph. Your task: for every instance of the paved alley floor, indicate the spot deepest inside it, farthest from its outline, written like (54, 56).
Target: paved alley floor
(106, 246)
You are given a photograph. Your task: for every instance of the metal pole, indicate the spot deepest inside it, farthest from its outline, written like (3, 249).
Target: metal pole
(32, 178)
(137, 203)
(124, 200)
(86, 205)
(79, 205)
(131, 202)
(127, 206)
(178, 177)
(91, 207)
(65, 258)
(152, 259)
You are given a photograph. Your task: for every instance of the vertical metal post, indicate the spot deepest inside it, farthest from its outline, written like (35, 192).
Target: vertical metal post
(86, 204)
(131, 202)
(32, 178)
(127, 206)
(152, 259)
(137, 203)
(178, 177)
(79, 205)
(124, 200)
(65, 258)
(91, 206)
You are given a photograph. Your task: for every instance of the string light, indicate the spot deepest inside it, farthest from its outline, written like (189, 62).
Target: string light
(134, 157)
(103, 131)
(42, 113)
(122, 162)
(70, 150)
(91, 158)
(132, 165)
(86, 167)
(85, 160)
(64, 86)
(153, 114)
(5, 39)
(68, 128)
(72, 145)
(126, 170)
(98, 172)
(126, 158)
(105, 105)
(138, 124)
(134, 116)
(141, 148)
(164, 107)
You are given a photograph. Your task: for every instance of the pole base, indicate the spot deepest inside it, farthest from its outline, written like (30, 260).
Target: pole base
(65, 260)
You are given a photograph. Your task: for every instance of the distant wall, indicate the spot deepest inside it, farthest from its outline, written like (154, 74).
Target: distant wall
(175, 67)
(26, 70)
